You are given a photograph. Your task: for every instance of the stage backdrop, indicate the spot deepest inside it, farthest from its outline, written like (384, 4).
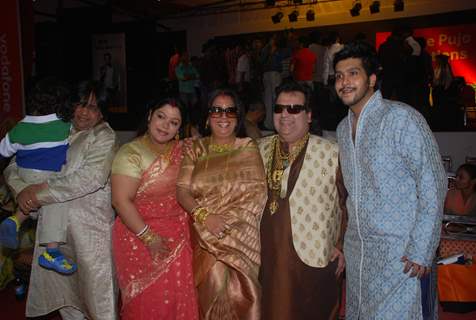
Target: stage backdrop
(458, 42)
(11, 83)
(109, 67)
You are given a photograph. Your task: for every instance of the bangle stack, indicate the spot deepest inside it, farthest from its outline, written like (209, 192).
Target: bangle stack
(200, 214)
(144, 230)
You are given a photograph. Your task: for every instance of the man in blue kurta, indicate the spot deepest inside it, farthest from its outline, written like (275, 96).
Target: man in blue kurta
(393, 173)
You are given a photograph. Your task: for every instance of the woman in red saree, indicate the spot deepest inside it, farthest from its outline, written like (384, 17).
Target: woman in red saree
(151, 241)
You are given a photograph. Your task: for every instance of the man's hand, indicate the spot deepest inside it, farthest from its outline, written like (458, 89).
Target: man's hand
(337, 254)
(416, 269)
(27, 200)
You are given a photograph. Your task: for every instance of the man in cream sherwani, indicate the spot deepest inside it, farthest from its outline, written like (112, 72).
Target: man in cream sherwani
(301, 225)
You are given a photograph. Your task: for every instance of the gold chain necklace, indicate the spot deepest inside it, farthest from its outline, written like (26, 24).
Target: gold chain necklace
(277, 164)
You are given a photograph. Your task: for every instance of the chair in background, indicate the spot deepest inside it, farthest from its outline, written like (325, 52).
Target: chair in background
(470, 159)
(447, 163)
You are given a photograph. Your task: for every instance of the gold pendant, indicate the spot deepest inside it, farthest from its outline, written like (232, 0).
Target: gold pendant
(273, 206)
(276, 175)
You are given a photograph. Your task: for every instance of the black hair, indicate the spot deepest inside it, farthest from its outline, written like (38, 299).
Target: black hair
(293, 86)
(47, 96)
(332, 37)
(470, 169)
(240, 126)
(156, 105)
(363, 51)
(80, 96)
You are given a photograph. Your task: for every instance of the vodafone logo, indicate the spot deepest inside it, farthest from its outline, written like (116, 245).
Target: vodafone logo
(5, 75)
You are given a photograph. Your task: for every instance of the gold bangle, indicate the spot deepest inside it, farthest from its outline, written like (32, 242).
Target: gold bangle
(200, 214)
(148, 237)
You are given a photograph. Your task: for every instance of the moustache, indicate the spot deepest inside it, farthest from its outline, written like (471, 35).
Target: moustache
(346, 88)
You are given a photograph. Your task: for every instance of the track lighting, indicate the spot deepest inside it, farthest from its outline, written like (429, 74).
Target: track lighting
(355, 11)
(398, 5)
(310, 15)
(277, 17)
(293, 16)
(375, 7)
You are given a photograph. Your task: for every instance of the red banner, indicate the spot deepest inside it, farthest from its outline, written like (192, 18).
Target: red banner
(11, 83)
(457, 42)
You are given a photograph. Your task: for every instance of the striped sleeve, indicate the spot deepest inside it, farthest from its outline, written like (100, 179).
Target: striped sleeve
(7, 149)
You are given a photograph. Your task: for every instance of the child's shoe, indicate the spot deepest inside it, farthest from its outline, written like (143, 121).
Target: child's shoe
(9, 232)
(53, 259)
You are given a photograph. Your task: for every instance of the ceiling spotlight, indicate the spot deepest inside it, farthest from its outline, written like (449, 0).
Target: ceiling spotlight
(270, 3)
(375, 7)
(355, 11)
(293, 16)
(310, 15)
(398, 5)
(277, 17)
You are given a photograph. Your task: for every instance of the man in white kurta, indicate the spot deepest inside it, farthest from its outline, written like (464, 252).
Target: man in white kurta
(83, 193)
(396, 183)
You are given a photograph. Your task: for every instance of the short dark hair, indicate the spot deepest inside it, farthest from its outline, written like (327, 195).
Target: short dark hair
(156, 105)
(363, 51)
(240, 126)
(48, 95)
(293, 86)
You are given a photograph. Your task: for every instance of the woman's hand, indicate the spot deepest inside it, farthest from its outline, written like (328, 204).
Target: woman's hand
(157, 246)
(217, 225)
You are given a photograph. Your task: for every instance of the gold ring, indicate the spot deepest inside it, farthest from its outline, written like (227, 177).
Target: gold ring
(29, 201)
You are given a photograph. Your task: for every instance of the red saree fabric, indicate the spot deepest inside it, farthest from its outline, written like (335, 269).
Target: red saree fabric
(162, 289)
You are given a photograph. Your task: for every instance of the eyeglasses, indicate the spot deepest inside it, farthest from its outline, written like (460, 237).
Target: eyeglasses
(216, 112)
(290, 108)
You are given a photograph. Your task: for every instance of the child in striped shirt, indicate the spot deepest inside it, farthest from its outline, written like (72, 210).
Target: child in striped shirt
(40, 143)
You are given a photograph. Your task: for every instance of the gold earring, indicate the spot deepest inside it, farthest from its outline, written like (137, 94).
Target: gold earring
(207, 123)
(177, 137)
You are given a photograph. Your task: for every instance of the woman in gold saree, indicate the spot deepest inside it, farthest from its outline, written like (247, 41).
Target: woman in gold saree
(222, 184)
(151, 239)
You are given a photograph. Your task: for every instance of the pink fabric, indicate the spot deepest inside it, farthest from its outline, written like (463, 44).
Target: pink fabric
(454, 203)
(164, 289)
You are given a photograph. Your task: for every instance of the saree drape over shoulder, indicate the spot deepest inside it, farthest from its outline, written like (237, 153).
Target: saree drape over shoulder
(231, 184)
(154, 289)
(83, 193)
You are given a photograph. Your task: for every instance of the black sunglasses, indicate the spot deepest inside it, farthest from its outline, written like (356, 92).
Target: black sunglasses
(216, 112)
(290, 108)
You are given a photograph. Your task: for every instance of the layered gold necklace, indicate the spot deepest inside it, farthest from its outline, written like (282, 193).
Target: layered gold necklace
(277, 164)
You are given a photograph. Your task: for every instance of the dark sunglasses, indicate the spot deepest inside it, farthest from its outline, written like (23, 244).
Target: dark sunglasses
(216, 112)
(290, 108)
